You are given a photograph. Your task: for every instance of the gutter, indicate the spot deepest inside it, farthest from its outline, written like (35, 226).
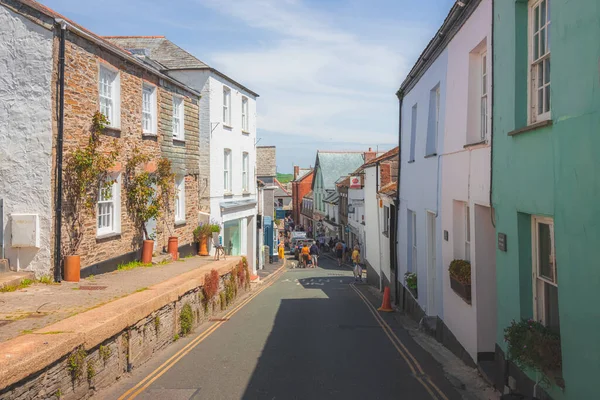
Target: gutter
(124, 54)
(59, 153)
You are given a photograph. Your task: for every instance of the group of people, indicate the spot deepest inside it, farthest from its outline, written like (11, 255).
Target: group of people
(341, 252)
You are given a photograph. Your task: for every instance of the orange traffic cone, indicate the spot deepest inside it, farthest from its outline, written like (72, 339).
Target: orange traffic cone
(387, 304)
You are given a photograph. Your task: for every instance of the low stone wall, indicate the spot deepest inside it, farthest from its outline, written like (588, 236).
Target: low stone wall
(75, 364)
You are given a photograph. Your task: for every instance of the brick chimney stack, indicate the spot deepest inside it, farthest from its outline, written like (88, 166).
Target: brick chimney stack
(296, 171)
(369, 155)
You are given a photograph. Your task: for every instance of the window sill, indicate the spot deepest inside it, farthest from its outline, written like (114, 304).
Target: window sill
(179, 224)
(149, 135)
(227, 126)
(431, 155)
(386, 234)
(179, 141)
(227, 194)
(466, 146)
(112, 131)
(246, 193)
(245, 133)
(532, 127)
(110, 235)
(411, 161)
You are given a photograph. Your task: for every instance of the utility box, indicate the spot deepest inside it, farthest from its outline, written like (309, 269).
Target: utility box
(25, 230)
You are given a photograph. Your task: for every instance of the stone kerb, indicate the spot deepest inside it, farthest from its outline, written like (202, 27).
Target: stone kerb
(29, 354)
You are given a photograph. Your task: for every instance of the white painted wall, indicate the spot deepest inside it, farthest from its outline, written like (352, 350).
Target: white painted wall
(419, 183)
(26, 133)
(356, 197)
(465, 177)
(372, 246)
(223, 137)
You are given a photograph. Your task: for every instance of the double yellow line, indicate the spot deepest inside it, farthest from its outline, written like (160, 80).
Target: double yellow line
(413, 364)
(157, 373)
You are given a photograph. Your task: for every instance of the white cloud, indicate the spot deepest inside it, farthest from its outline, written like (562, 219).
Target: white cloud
(318, 79)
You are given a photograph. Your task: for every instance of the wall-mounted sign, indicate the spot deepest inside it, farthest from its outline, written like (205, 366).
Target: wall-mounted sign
(502, 241)
(355, 182)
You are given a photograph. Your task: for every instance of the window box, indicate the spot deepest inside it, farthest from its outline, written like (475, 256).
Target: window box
(460, 279)
(461, 289)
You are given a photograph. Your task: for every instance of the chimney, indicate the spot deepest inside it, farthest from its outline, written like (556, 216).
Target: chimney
(369, 155)
(296, 171)
(385, 174)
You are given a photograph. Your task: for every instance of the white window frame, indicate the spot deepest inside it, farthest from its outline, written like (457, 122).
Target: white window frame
(149, 109)
(226, 106)
(179, 199)
(413, 233)
(245, 171)
(467, 232)
(541, 63)
(178, 126)
(386, 220)
(245, 125)
(539, 300)
(112, 224)
(483, 129)
(227, 181)
(109, 97)
(413, 132)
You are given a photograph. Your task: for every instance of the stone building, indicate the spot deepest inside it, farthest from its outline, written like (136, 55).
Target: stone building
(146, 109)
(227, 140)
(266, 164)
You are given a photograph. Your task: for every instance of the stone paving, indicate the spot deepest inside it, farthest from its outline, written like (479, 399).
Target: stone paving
(39, 305)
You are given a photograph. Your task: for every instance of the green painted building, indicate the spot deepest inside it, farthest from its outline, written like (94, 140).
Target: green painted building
(546, 180)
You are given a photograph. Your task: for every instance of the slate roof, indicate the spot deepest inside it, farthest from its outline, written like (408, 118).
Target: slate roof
(281, 191)
(302, 173)
(168, 54)
(334, 165)
(332, 198)
(308, 195)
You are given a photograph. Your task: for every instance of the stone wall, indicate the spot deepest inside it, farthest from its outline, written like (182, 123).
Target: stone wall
(104, 364)
(83, 59)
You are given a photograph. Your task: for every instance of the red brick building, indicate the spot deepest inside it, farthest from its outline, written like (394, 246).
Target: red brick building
(301, 185)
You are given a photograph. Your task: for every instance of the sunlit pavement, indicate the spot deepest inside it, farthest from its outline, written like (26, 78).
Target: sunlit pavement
(309, 335)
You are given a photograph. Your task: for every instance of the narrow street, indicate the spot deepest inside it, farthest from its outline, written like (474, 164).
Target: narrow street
(307, 334)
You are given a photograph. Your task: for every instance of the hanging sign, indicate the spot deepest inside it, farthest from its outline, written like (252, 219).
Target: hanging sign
(355, 182)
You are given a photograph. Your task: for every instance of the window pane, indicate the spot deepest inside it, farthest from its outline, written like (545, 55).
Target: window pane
(542, 42)
(547, 92)
(484, 85)
(536, 46)
(551, 317)
(536, 24)
(543, 13)
(547, 71)
(545, 252)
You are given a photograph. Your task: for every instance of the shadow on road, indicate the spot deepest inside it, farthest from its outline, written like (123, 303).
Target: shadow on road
(327, 346)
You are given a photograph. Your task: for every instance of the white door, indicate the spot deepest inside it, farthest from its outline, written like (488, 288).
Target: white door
(431, 263)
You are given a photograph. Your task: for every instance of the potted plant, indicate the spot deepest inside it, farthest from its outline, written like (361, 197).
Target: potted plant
(460, 279)
(410, 278)
(533, 346)
(215, 230)
(144, 186)
(88, 169)
(201, 234)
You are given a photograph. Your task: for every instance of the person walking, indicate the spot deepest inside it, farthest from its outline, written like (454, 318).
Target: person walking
(281, 250)
(314, 254)
(357, 266)
(339, 252)
(305, 255)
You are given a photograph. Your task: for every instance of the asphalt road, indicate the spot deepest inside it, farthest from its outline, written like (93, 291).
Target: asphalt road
(309, 335)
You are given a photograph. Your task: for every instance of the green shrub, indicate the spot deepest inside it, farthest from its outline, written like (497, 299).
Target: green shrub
(186, 319)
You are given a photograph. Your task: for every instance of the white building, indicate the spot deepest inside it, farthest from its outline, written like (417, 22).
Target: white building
(227, 141)
(422, 96)
(445, 212)
(356, 212)
(26, 136)
(465, 202)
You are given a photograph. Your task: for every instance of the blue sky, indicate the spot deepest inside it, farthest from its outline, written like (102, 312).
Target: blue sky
(326, 70)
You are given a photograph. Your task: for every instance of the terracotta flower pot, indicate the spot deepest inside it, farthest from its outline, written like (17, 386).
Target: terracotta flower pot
(173, 247)
(147, 250)
(72, 268)
(203, 247)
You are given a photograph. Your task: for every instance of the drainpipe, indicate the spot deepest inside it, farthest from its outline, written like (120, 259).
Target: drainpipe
(492, 122)
(397, 199)
(59, 154)
(378, 224)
